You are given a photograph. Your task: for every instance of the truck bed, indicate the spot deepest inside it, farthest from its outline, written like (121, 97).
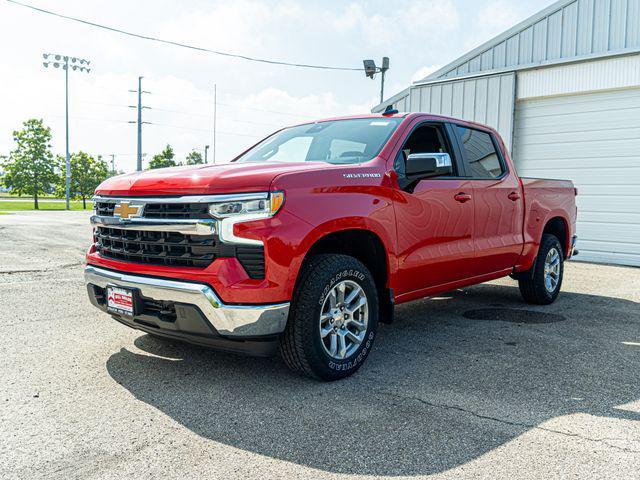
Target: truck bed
(546, 199)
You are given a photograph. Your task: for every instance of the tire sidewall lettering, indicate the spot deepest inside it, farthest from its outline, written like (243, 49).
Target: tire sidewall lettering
(344, 274)
(353, 362)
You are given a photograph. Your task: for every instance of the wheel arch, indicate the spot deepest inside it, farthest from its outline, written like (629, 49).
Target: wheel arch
(559, 227)
(365, 245)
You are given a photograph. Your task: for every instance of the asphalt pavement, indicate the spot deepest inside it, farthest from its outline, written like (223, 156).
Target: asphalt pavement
(471, 384)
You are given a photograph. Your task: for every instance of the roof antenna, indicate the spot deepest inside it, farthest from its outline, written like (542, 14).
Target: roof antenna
(390, 110)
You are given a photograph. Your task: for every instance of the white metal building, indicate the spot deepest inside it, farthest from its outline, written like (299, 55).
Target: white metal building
(563, 90)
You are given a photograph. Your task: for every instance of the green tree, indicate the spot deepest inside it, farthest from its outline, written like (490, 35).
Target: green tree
(31, 168)
(194, 158)
(86, 174)
(163, 159)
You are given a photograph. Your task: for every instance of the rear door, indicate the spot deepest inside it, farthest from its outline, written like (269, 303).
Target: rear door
(497, 201)
(434, 216)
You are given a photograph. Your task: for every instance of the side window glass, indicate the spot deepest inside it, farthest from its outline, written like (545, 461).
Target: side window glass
(480, 156)
(424, 139)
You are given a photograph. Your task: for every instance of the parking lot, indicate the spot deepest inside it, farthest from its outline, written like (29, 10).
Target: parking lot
(472, 384)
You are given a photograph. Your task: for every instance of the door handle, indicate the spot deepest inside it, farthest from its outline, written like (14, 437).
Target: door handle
(513, 196)
(462, 197)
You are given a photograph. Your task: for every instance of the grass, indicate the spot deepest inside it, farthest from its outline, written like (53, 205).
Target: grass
(11, 196)
(21, 206)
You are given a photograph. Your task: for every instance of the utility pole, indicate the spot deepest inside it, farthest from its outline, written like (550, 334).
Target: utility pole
(215, 112)
(383, 70)
(139, 122)
(206, 150)
(113, 164)
(139, 164)
(62, 61)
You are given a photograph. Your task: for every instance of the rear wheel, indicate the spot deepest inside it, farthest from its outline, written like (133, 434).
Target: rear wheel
(541, 285)
(333, 319)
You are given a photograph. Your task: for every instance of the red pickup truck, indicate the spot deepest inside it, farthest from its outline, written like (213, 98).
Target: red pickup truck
(307, 240)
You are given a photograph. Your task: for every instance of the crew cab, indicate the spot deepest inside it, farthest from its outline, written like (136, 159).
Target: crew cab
(307, 240)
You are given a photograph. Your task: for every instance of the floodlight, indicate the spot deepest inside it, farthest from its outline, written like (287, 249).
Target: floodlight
(369, 68)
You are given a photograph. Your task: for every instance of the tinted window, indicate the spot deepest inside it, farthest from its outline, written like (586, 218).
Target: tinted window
(480, 156)
(346, 141)
(424, 139)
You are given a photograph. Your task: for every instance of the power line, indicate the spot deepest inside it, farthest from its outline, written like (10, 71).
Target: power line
(109, 120)
(265, 111)
(209, 98)
(192, 114)
(205, 130)
(182, 112)
(232, 105)
(183, 45)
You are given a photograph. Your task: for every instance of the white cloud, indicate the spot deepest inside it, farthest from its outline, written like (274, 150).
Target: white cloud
(411, 32)
(423, 72)
(494, 18)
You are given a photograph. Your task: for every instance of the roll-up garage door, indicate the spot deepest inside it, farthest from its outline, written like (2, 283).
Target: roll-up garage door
(594, 140)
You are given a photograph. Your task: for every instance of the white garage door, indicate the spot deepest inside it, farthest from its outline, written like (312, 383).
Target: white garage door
(594, 140)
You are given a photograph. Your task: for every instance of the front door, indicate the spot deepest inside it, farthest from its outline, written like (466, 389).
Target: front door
(434, 217)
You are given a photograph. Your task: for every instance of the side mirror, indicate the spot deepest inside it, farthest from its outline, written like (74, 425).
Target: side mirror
(425, 165)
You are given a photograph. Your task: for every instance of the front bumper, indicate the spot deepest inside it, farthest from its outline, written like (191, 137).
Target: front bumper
(226, 321)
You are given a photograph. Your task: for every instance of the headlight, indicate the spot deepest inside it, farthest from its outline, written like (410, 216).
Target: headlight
(266, 205)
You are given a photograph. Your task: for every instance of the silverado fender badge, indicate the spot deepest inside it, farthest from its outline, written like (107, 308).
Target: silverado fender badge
(361, 175)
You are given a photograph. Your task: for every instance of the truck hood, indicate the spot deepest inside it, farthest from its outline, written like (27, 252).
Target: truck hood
(203, 179)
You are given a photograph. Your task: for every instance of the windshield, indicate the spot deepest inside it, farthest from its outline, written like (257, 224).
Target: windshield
(347, 141)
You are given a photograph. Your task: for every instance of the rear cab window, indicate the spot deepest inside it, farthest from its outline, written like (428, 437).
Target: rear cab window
(482, 158)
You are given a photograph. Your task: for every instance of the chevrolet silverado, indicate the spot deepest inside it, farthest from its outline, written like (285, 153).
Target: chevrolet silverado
(307, 240)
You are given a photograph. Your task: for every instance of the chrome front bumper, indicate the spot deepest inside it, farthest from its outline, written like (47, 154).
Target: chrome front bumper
(228, 320)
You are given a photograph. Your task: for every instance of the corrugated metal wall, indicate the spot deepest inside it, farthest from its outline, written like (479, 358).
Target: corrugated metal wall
(487, 100)
(592, 139)
(607, 74)
(579, 28)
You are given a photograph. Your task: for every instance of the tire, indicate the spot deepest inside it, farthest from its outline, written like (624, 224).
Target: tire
(535, 284)
(322, 283)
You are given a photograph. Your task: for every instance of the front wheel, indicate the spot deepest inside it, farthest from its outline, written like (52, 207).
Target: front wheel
(333, 320)
(541, 285)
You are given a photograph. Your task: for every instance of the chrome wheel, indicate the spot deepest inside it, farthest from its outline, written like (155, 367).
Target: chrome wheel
(343, 319)
(552, 270)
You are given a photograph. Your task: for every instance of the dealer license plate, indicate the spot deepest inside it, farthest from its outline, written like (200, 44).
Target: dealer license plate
(120, 300)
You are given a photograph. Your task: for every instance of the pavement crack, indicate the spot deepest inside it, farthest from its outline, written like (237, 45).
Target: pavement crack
(12, 272)
(605, 441)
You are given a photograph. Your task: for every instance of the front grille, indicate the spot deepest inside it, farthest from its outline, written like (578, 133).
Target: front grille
(176, 210)
(175, 249)
(105, 209)
(180, 211)
(157, 248)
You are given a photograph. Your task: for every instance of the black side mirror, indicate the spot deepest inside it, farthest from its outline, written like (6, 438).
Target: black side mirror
(425, 165)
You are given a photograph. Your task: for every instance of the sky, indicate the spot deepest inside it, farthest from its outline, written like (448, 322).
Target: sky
(254, 99)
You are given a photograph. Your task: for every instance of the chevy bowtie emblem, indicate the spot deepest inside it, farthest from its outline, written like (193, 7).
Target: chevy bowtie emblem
(124, 210)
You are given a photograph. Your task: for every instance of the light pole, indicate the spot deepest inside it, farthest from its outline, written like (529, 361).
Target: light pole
(370, 71)
(65, 62)
(206, 150)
